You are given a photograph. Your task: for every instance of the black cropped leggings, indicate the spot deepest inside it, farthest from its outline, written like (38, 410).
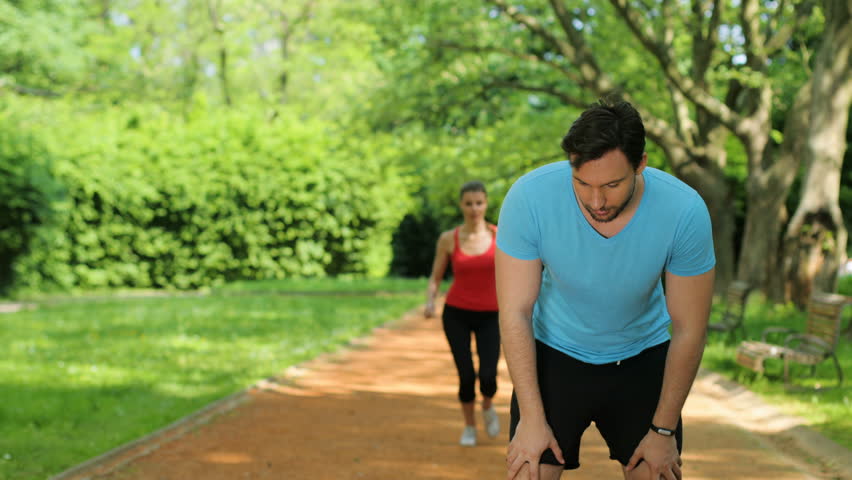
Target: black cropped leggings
(458, 326)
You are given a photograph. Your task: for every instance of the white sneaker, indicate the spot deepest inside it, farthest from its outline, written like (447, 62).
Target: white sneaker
(492, 422)
(468, 438)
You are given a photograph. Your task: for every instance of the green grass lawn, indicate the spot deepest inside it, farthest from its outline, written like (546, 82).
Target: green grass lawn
(828, 410)
(79, 377)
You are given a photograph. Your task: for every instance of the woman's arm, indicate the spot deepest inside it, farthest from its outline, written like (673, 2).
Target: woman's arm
(443, 250)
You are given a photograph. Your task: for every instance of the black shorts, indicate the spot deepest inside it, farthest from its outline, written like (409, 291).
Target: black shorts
(621, 398)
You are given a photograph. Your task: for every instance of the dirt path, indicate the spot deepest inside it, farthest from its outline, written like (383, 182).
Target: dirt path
(385, 409)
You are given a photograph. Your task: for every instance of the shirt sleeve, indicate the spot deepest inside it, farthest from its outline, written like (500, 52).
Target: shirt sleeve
(518, 234)
(692, 252)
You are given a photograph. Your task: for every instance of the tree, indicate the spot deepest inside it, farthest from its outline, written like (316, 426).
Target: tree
(290, 23)
(816, 237)
(748, 117)
(703, 86)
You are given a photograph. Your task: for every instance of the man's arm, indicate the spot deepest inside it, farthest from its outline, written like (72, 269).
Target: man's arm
(688, 300)
(518, 283)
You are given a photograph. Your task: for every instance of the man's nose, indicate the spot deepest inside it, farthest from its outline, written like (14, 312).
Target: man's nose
(598, 199)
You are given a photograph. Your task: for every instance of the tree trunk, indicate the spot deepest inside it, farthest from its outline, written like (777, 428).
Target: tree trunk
(769, 179)
(766, 214)
(816, 236)
(719, 199)
(214, 12)
(711, 184)
(223, 74)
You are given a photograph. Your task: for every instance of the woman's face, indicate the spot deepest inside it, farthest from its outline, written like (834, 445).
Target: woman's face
(473, 205)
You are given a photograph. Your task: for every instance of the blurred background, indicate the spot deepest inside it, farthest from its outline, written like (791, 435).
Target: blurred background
(186, 143)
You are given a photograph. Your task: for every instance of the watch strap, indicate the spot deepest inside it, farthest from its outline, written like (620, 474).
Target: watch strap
(662, 431)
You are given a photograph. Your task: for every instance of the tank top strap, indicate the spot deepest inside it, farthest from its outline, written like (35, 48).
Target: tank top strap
(456, 247)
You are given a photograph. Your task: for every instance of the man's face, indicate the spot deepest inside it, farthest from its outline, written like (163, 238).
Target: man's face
(606, 185)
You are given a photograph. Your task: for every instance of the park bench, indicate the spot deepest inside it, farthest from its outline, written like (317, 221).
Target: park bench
(733, 318)
(816, 344)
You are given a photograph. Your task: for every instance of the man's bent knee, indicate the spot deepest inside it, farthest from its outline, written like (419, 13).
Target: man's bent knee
(545, 472)
(640, 472)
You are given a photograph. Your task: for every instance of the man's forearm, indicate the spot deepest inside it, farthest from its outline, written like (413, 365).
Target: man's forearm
(688, 300)
(682, 364)
(519, 348)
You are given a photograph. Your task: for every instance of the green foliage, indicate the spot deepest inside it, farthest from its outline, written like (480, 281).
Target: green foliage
(446, 68)
(154, 200)
(79, 378)
(413, 245)
(844, 285)
(42, 45)
(27, 191)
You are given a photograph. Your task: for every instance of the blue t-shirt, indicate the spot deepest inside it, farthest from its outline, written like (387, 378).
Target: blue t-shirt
(601, 299)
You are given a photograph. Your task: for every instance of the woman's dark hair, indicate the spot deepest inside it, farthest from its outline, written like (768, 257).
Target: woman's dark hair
(472, 186)
(605, 126)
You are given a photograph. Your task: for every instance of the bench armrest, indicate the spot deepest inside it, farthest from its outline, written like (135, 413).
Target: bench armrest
(801, 338)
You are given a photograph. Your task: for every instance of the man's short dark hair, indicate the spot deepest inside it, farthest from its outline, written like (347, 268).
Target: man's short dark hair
(605, 126)
(472, 186)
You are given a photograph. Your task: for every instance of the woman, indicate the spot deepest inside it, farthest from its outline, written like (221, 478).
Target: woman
(470, 306)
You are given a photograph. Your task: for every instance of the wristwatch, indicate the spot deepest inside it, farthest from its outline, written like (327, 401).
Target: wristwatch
(662, 431)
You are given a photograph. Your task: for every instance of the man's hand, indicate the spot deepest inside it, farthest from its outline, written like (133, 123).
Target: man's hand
(661, 456)
(529, 442)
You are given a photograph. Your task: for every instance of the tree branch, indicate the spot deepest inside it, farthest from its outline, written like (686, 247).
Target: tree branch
(511, 53)
(755, 42)
(782, 35)
(592, 78)
(700, 96)
(668, 24)
(575, 50)
(546, 89)
(24, 90)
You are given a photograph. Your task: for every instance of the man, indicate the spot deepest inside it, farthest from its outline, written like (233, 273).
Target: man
(584, 247)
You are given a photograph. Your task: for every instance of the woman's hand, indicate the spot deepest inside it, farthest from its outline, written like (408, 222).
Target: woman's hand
(429, 309)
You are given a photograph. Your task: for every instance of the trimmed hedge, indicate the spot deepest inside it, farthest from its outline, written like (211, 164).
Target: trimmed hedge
(27, 191)
(155, 200)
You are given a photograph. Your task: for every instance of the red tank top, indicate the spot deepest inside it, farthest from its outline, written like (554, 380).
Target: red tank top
(474, 286)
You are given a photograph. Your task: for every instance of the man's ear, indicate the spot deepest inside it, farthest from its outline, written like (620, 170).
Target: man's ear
(642, 163)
